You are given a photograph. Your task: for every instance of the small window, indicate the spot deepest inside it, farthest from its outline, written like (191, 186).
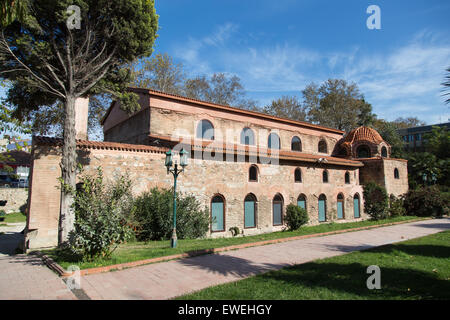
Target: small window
(384, 152)
(298, 175)
(347, 178)
(273, 141)
(296, 144)
(205, 130)
(247, 136)
(323, 146)
(253, 174)
(325, 176)
(396, 174)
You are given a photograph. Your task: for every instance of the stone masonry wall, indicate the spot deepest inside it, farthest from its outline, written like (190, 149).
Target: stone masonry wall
(202, 178)
(16, 197)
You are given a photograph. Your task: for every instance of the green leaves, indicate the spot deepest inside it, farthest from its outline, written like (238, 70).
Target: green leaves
(375, 201)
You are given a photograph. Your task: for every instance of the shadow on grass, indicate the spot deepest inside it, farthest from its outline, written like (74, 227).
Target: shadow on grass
(349, 280)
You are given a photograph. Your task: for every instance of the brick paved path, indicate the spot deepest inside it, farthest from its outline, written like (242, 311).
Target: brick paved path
(173, 278)
(25, 277)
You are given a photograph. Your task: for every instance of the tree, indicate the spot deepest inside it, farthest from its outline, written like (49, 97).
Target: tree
(286, 107)
(388, 132)
(410, 122)
(219, 89)
(11, 10)
(337, 104)
(159, 73)
(51, 60)
(438, 142)
(446, 85)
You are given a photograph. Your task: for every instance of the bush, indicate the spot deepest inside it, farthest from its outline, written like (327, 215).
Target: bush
(425, 202)
(101, 214)
(153, 216)
(375, 201)
(396, 208)
(295, 217)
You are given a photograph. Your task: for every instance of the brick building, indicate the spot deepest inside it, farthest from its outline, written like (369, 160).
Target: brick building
(245, 166)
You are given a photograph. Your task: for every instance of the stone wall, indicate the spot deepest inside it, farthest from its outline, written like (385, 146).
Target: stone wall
(16, 197)
(202, 178)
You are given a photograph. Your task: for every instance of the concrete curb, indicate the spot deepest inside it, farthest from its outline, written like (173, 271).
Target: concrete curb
(63, 273)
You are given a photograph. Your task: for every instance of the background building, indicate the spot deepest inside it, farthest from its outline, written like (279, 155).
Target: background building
(413, 137)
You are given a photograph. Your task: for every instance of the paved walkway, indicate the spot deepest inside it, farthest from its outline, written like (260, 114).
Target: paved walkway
(174, 278)
(25, 277)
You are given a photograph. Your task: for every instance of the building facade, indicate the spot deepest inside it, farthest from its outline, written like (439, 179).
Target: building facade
(414, 137)
(245, 166)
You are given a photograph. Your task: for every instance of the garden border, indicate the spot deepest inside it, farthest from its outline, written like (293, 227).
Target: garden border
(83, 272)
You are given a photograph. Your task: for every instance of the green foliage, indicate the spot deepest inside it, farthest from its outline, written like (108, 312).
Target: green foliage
(287, 107)
(426, 202)
(425, 168)
(2, 213)
(375, 201)
(396, 208)
(153, 216)
(337, 104)
(438, 142)
(102, 210)
(295, 217)
(388, 131)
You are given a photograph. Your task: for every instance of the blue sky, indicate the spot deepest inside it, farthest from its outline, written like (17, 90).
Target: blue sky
(279, 47)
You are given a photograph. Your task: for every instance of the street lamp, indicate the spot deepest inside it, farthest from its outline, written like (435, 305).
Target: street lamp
(175, 171)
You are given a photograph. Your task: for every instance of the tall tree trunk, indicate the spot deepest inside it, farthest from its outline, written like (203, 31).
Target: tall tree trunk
(68, 172)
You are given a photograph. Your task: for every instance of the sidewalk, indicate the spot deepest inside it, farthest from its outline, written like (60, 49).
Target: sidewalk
(174, 278)
(26, 277)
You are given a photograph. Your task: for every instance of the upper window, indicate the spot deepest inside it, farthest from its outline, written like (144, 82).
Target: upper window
(205, 130)
(396, 174)
(247, 136)
(253, 173)
(325, 176)
(347, 178)
(298, 175)
(363, 152)
(273, 141)
(384, 152)
(323, 146)
(296, 144)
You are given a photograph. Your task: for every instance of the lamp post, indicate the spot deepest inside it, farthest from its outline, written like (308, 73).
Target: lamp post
(175, 171)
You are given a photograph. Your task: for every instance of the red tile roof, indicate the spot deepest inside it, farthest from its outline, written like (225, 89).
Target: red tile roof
(228, 109)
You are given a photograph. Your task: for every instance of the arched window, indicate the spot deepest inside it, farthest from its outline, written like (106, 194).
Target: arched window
(340, 206)
(250, 211)
(205, 130)
(347, 178)
(322, 208)
(218, 213)
(356, 206)
(247, 136)
(301, 201)
(296, 144)
(325, 176)
(323, 146)
(277, 210)
(363, 152)
(273, 141)
(396, 174)
(298, 175)
(384, 152)
(253, 173)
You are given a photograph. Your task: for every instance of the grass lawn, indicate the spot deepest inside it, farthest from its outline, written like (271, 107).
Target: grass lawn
(135, 251)
(414, 269)
(14, 217)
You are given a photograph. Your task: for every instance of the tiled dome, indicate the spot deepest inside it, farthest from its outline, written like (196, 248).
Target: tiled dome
(363, 134)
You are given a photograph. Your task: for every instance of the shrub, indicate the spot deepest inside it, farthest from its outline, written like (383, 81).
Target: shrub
(295, 217)
(101, 214)
(425, 202)
(153, 216)
(396, 208)
(375, 201)
(234, 231)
